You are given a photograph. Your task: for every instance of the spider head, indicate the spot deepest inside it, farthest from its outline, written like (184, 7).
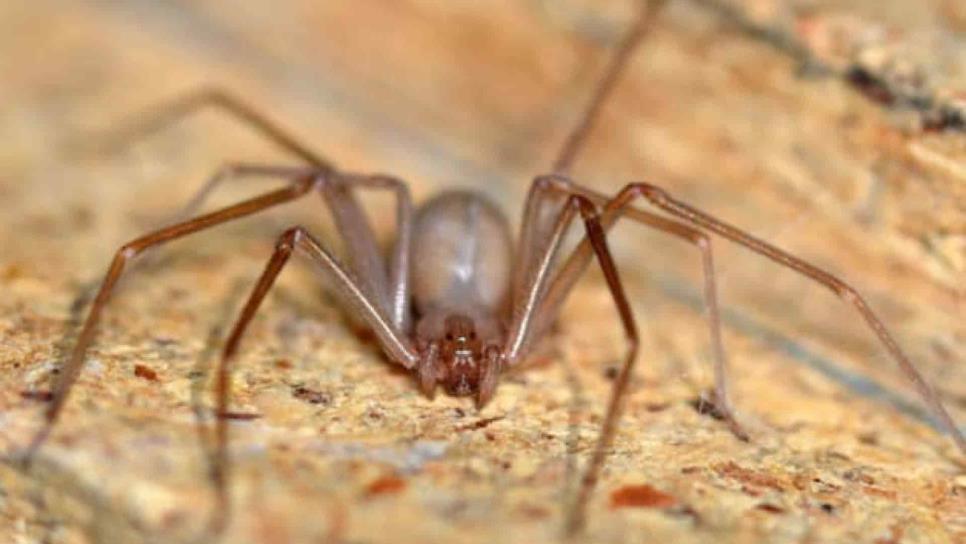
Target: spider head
(460, 361)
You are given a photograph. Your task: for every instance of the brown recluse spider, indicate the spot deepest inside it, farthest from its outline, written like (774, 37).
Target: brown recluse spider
(448, 306)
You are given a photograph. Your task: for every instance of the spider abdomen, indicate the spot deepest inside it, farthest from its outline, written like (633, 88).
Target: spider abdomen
(462, 253)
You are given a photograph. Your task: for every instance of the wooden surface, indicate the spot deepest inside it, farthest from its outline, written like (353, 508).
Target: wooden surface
(833, 128)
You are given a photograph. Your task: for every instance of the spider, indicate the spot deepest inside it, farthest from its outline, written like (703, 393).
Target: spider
(456, 302)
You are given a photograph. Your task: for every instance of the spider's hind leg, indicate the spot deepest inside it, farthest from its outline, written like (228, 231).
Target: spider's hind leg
(166, 113)
(661, 199)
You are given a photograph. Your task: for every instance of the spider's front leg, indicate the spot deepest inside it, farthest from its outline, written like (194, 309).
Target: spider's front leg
(394, 341)
(376, 290)
(537, 225)
(536, 271)
(121, 262)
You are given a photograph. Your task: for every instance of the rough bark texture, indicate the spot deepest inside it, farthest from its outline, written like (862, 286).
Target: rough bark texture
(835, 129)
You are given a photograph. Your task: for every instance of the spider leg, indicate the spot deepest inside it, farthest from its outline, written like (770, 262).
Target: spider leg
(552, 297)
(365, 260)
(598, 239)
(124, 256)
(185, 105)
(542, 212)
(532, 276)
(393, 340)
(389, 286)
(522, 325)
(585, 123)
(660, 198)
(538, 216)
(232, 172)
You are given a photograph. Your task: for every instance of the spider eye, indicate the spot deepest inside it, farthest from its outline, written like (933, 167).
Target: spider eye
(449, 336)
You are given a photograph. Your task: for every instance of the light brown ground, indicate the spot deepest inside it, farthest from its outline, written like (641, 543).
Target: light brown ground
(479, 94)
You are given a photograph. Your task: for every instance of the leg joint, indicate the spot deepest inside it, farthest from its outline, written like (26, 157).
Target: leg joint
(227, 170)
(553, 181)
(651, 192)
(587, 208)
(702, 240)
(129, 250)
(290, 238)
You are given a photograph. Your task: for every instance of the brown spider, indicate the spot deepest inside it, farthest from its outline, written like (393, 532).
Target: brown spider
(447, 305)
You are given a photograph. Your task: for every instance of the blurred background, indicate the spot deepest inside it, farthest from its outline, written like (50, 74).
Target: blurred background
(835, 129)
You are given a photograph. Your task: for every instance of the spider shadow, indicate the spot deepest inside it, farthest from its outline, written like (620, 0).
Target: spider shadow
(106, 517)
(578, 405)
(200, 373)
(205, 415)
(799, 352)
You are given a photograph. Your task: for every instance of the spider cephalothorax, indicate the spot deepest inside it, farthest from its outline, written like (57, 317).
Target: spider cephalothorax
(460, 361)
